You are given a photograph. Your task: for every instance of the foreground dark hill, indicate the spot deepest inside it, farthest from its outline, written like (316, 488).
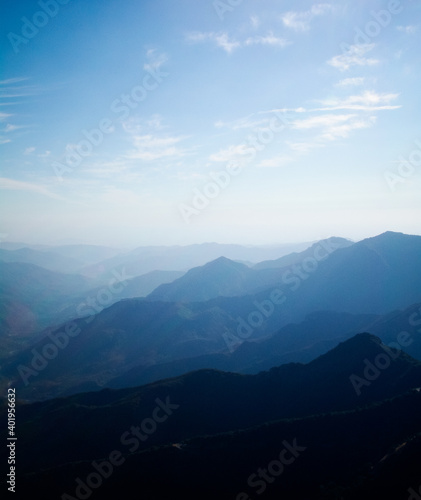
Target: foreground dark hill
(341, 434)
(356, 455)
(212, 401)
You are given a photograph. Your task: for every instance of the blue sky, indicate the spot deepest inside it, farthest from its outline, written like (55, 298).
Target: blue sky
(256, 121)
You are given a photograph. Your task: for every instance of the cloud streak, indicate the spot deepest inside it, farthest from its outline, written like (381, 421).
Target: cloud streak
(13, 185)
(301, 21)
(229, 44)
(354, 56)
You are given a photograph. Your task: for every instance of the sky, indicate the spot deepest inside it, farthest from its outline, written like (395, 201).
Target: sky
(154, 122)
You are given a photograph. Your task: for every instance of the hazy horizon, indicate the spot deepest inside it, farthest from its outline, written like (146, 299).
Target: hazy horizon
(4, 242)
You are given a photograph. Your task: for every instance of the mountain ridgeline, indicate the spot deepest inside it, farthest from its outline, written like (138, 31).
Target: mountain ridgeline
(340, 423)
(215, 371)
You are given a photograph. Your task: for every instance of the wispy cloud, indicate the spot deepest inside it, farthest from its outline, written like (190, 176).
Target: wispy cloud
(150, 142)
(243, 123)
(354, 56)
(13, 185)
(255, 21)
(352, 82)
(229, 44)
(11, 128)
(366, 101)
(408, 30)
(155, 60)
(12, 88)
(321, 121)
(11, 81)
(333, 125)
(275, 161)
(300, 21)
(149, 147)
(269, 39)
(234, 152)
(221, 40)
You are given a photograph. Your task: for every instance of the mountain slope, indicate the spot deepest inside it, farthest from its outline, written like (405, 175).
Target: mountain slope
(221, 277)
(207, 403)
(375, 275)
(47, 259)
(297, 257)
(32, 297)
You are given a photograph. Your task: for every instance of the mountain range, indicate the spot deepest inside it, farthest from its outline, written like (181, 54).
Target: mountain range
(334, 291)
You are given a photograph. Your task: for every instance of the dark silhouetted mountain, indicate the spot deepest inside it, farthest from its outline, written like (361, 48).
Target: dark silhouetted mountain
(237, 423)
(355, 455)
(296, 342)
(303, 342)
(126, 334)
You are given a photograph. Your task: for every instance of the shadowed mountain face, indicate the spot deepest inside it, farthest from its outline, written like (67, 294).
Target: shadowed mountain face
(221, 277)
(375, 275)
(329, 450)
